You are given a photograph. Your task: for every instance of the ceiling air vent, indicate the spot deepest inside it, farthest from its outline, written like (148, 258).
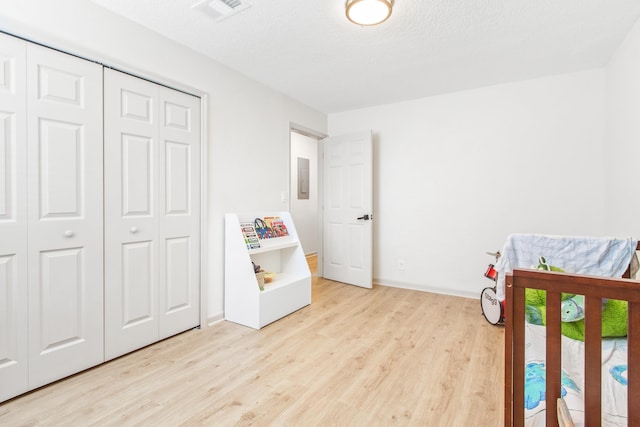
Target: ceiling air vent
(221, 9)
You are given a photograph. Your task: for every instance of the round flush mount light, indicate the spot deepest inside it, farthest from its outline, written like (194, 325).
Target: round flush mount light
(368, 12)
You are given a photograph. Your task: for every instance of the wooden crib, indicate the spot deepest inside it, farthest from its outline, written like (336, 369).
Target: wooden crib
(594, 289)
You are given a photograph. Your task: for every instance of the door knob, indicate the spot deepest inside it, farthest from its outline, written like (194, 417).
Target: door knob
(133, 230)
(68, 233)
(365, 217)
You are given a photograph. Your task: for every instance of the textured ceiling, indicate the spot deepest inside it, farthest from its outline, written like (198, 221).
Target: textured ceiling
(308, 50)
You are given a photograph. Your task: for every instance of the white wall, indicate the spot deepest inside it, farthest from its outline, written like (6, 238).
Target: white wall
(305, 211)
(622, 140)
(248, 123)
(455, 174)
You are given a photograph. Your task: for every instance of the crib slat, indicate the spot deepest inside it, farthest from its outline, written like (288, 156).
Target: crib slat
(633, 363)
(593, 360)
(518, 356)
(508, 353)
(553, 362)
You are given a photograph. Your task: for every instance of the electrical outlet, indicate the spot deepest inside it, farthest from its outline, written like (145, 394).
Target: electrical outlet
(400, 264)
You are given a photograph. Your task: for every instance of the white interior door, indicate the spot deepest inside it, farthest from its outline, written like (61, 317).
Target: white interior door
(131, 213)
(347, 176)
(179, 212)
(64, 113)
(13, 218)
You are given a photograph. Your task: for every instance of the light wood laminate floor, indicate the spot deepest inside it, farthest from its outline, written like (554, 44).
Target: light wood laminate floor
(354, 357)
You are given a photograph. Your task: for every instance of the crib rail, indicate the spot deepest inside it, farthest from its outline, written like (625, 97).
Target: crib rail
(594, 289)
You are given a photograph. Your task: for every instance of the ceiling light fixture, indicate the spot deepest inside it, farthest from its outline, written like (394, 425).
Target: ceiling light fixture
(368, 12)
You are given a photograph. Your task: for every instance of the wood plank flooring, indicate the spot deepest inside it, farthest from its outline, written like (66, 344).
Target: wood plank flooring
(354, 357)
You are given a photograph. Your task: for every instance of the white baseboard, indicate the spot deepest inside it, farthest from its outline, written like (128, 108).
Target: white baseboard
(423, 288)
(215, 319)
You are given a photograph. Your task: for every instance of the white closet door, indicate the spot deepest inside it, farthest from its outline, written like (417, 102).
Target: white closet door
(13, 218)
(64, 110)
(179, 231)
(152, 212)
(131, 213)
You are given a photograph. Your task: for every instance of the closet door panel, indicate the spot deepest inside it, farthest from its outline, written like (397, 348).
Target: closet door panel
(13, 219)
(180, 212)
(137, 176)
(60, 147)
(61, 287)
(131, 214)
(138, 280)
(64, 104)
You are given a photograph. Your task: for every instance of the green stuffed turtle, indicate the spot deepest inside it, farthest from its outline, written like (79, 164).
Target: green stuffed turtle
(614, 312)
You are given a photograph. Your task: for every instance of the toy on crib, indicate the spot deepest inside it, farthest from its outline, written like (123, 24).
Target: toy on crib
(572, 306)
(571, 309)
(542, 265)
(614, 312)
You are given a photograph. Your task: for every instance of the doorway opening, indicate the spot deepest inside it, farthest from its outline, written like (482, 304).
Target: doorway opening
(303, 189)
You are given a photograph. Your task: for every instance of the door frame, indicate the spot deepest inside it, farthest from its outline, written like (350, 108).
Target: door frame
(204, 210)
(318, 136)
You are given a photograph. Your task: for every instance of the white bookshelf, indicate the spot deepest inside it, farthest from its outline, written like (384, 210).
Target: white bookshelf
(244, 302)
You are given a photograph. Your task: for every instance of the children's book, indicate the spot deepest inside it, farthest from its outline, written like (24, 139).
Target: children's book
(250, 235)
(262, 229)
(278, 227)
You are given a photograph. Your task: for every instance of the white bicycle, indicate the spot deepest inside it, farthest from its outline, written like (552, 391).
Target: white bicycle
(492, 309)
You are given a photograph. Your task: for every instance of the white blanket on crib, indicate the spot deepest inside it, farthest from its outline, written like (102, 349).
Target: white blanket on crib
(607, 257)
